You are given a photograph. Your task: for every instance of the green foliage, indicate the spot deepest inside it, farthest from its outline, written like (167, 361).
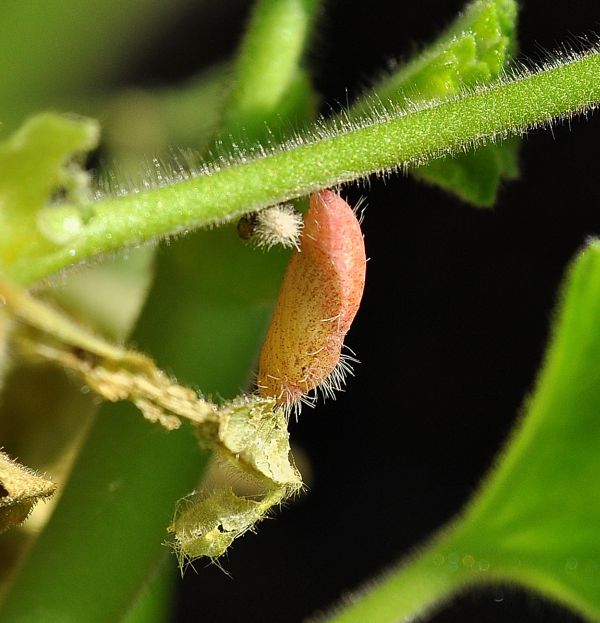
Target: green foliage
(529, 524)
(536, 519)
(37, 163)
(474, 51)
(55, 52)
(105, 538)
(253, 437)
(210, 336)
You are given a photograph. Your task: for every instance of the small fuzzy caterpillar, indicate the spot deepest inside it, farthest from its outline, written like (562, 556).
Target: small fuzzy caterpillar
(279, 224)
(319, 297)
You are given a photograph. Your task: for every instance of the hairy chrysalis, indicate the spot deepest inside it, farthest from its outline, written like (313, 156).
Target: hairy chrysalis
(319, 297)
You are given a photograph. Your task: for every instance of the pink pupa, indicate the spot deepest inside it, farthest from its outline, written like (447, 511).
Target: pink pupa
(318, 300)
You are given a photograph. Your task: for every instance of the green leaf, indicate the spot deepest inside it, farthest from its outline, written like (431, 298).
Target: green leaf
(474, 51)
(536, 518)
(155, 602)
(138, 122)
(476, 175)
(37, 163)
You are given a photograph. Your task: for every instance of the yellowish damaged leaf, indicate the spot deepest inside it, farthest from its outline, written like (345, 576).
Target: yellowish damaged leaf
(253, 434)
(20, 490)
(113, 372)
(208, 526)
(250, 433)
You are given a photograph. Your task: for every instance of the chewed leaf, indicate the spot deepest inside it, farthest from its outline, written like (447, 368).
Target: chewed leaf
(317, 302)
(20, 490)
(253, 435)
(250, 433)
(208, 526)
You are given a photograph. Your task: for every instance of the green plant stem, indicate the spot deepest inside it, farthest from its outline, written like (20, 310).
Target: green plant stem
(267, 65)
(397, 140)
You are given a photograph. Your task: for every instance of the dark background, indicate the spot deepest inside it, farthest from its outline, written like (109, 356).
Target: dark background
(450, 334)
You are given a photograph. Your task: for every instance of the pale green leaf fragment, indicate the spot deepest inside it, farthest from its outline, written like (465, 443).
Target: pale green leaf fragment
(20, 490)
(208, 526)
(248, 432)
(39, 166)
(253, 435)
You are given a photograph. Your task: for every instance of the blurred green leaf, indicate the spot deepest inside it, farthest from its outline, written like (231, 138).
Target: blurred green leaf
(107, 531)
(162, 121)
(476, 175)
(154, 604)
(54, 51)
(37, 162)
